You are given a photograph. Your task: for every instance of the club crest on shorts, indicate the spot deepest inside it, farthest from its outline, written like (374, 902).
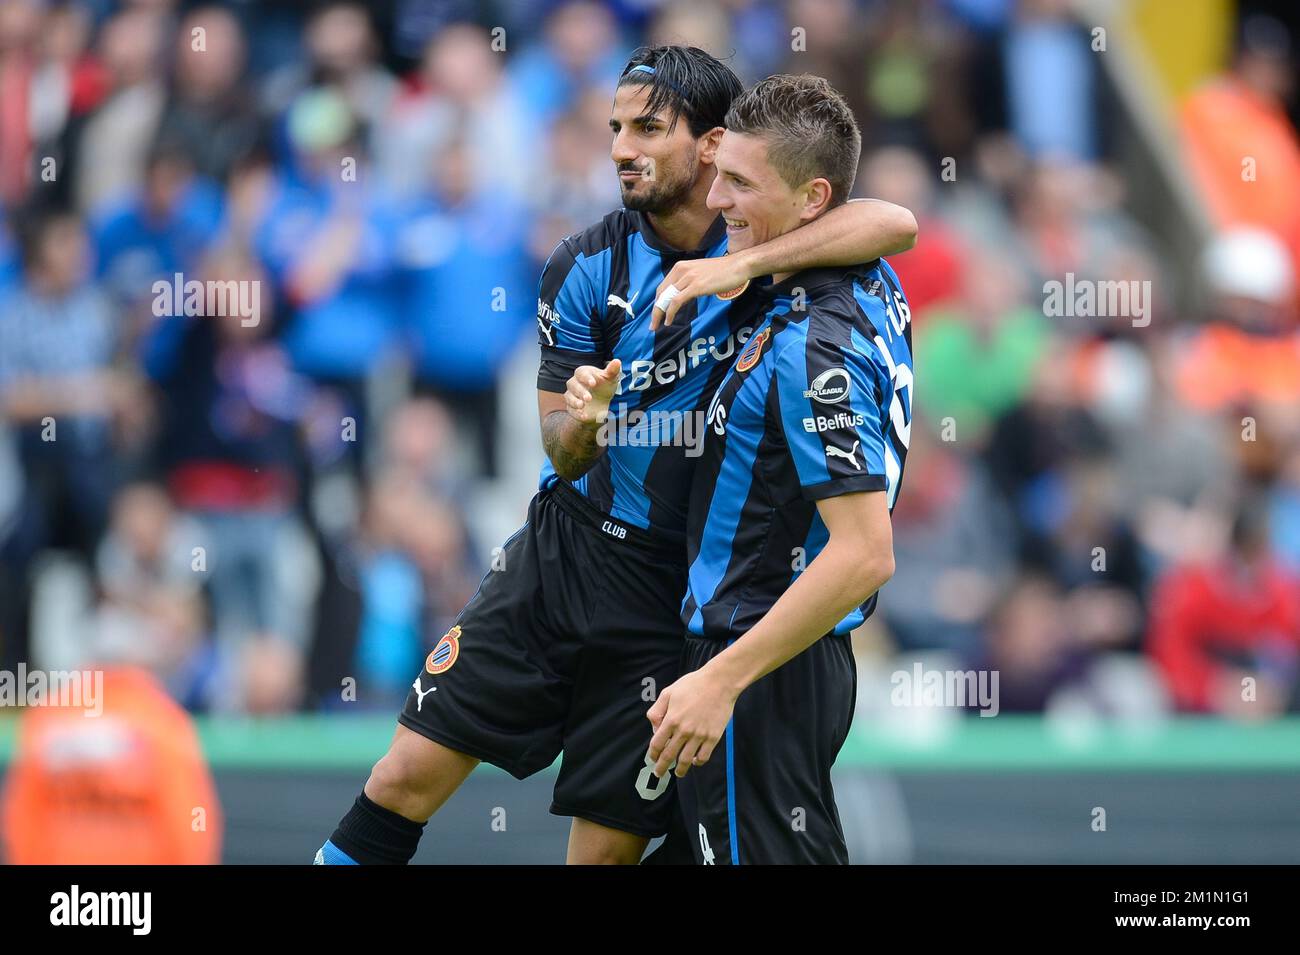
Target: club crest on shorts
(445, 653)
(749, 357)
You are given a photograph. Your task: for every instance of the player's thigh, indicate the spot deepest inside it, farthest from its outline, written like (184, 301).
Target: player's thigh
(591, 843)
(497, 685)
(765, 796)
(632, 652)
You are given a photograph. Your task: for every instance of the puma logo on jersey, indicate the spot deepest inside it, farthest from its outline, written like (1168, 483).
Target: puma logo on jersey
(834, 452)
(625, 304)
(547, 320)
(419, 701)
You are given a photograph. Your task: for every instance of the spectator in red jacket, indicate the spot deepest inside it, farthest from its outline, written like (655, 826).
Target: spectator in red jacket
(1225, 633)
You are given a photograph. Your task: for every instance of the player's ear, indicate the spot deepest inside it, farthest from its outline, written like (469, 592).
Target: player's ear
(816, 199)
(708, 144)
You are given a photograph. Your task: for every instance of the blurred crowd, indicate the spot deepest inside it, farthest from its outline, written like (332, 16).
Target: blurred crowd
(281, 509)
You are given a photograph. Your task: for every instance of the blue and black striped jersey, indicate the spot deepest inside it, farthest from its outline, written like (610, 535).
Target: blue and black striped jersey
(817, 404)
(596, 295)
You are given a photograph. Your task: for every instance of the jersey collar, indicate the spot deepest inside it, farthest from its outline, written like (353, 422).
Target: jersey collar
(651, 238)
(814, 278)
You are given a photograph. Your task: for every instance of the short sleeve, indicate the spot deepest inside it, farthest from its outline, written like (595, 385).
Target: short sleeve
(830, 398)
(566, 319)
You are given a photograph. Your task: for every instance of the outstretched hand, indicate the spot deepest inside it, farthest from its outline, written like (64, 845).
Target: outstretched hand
(588, 392)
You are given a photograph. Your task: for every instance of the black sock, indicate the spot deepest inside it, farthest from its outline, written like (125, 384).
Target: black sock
(373, 835)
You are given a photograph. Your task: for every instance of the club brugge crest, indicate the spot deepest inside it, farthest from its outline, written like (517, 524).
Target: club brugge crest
(445, 653)
(749, 357)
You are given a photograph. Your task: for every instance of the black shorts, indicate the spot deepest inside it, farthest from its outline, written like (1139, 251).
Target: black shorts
(765, 797)
(564, 648)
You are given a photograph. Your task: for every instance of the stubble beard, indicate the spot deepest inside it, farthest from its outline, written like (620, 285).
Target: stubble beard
(664, 196)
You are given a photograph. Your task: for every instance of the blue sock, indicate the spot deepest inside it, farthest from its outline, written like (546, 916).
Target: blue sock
(330, 854)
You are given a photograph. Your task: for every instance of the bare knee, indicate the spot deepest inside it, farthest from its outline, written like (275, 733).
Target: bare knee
(396, 784)
(416, 776)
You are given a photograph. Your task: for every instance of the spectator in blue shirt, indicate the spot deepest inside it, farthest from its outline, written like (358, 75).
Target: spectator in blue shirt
(156, 231)
(581, 49)
(468, 293)
(326, 238)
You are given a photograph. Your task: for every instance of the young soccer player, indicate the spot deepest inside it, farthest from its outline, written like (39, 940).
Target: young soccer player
(562, 648)
(789, 528)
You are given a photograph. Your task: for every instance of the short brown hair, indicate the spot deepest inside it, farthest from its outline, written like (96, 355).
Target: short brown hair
(809, 128)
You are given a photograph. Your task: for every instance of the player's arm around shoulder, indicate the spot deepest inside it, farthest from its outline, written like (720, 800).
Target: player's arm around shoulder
(857, 231)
